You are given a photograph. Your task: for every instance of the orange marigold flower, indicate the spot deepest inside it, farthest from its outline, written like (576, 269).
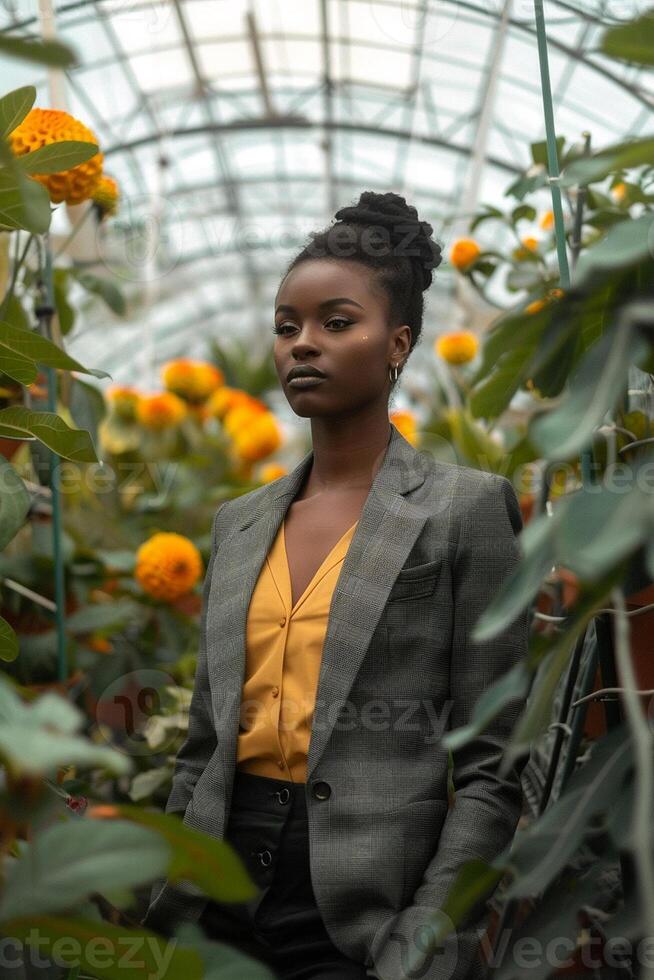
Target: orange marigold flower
(41, 127)
(224, 399)
(536, 306)
(160, 411)
(259, 438)
(405, 421)
(192, 380)
(241, 416)
(106, 196)
(619, 192)
(100, 644)
(457, 347)
(464, 252)
(546, 220)
(167, 566)
(124, 400)
(271, 471)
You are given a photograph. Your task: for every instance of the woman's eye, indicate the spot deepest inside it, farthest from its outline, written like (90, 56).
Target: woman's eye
(338, 321)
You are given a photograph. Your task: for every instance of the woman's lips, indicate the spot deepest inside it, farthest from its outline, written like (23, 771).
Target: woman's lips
(306, 382)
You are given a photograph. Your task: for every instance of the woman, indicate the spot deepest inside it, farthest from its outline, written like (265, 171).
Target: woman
(336, 645)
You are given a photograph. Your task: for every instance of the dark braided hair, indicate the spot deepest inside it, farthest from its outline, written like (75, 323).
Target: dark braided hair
(383, 232)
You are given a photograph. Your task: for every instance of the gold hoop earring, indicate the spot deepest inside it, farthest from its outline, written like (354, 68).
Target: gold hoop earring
(391, 378)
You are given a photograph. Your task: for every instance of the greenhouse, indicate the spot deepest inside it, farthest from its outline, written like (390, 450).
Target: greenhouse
(327, 445)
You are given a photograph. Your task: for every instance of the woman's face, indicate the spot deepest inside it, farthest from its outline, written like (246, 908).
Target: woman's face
(330, 316)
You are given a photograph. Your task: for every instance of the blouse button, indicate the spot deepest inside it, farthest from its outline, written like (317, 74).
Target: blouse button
(280, 763)
(282, 621)
(275, 691)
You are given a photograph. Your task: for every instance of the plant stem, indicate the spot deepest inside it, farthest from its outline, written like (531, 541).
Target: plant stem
(18, 261)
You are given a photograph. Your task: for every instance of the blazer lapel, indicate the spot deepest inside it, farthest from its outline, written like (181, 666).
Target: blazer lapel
(388, 527)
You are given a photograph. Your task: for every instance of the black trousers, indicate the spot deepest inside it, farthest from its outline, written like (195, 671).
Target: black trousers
(281, 925)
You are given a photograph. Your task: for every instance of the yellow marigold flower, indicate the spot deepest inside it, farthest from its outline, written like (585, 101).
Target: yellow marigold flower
(124, 400)
(41, 127)
(457, 347)
(160, 411)
(406, 423)
(192, 380)
(546, 221)
(106, 196)
(463, 253)
(271, 471)
(167, 566)
(260, 438)
(619, 192)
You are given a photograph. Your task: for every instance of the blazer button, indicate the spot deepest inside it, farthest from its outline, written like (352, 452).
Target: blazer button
(321, 790)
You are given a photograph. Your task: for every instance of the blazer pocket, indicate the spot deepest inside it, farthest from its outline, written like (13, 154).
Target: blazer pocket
(415, 581)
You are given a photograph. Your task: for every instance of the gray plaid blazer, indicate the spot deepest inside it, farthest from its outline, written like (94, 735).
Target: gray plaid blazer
(433, 543)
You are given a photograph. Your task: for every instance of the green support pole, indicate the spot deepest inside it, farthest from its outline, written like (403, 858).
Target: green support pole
(555, 190)
(552, 155)
(44, 312)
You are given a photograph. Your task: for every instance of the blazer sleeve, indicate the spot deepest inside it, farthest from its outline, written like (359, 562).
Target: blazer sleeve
(487, 808)
(200, 743)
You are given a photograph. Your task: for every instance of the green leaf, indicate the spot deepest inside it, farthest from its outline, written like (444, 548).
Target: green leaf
(8, 642)
(50, 428)
(487, 214)
(65, 312)
(14, 502)
(104, 616)
(67, 862)
(39, 349)
(104, 288)
(42, 52)
(20, 368)
(472, 442)
(515, 683)
(14, 106)
(589, 532)
(37, 738)
(524, 212)
(102, 950)
(55, 157)
(490, 398)
(24, 203)
(539, 150)
(541, 851)
(210, 862)
(632, 42)
(621, 156)
(593, 389)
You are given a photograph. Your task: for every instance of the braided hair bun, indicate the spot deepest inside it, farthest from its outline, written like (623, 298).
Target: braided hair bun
(406, 234)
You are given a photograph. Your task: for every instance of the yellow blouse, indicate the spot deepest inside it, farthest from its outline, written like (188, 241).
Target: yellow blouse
(282, 666)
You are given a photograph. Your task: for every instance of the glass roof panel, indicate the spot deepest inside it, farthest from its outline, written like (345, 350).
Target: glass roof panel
(235, 127)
